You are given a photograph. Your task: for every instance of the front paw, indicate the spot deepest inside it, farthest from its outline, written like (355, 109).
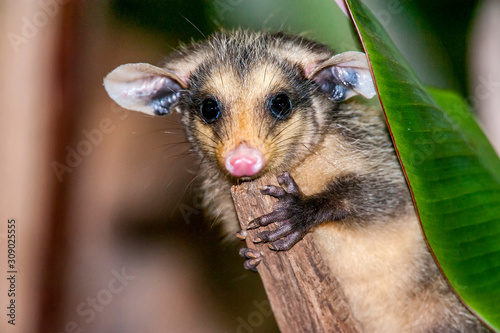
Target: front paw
(293, 214)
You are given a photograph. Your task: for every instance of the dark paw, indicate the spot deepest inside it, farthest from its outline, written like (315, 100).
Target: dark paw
(292, 213)
(253, 258)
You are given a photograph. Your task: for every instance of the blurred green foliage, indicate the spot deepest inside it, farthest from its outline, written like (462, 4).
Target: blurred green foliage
(450, 21)
(165, 19)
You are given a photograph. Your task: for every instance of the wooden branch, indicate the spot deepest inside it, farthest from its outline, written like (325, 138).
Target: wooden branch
(303, 294)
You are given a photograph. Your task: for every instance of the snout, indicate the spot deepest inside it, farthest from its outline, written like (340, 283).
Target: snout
(244, 161)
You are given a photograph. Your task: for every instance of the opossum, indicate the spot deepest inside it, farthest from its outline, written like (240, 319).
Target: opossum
(259, 103)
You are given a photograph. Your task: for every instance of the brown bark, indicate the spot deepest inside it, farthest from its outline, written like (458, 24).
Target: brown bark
(303, 294)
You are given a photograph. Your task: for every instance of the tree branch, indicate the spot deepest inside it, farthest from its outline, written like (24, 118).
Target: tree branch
(303, 294)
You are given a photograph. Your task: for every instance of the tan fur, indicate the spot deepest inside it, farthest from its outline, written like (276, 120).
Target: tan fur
(372, 267)
(324, 164)
(300, 55)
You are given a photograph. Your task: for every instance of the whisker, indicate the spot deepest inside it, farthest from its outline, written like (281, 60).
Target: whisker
(282, 24)
(192, 128)
(288, 126)
(205, 37)
(290, 138)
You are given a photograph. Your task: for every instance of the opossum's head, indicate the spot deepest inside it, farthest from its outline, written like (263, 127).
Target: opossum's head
(250, 102)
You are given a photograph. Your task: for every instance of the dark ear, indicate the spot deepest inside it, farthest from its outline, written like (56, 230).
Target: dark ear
(145, 88)
(343, 76)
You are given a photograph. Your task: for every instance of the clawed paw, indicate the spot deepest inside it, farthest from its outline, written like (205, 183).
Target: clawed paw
(291, 213)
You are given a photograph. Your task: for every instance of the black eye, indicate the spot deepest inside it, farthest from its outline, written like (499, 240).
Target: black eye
(210, 110)
(280, 105)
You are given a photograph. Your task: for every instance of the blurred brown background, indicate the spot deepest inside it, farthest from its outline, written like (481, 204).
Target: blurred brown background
(109, 233)
(110, 236)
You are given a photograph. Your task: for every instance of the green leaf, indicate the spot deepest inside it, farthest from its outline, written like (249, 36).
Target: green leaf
(452, 170)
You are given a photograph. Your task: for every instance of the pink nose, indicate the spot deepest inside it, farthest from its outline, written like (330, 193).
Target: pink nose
(244, 161)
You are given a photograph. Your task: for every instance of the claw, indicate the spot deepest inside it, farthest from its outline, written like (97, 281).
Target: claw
(253, 258)
(257, 240)
(252, 255)
(242, 234)
(248, 253)
(253, 224)
(251, 264)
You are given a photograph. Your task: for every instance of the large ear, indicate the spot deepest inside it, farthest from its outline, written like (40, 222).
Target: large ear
(145, 88)
(343, 76)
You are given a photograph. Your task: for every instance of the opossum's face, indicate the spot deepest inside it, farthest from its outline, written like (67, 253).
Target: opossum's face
(248, 122)
(253, 107)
